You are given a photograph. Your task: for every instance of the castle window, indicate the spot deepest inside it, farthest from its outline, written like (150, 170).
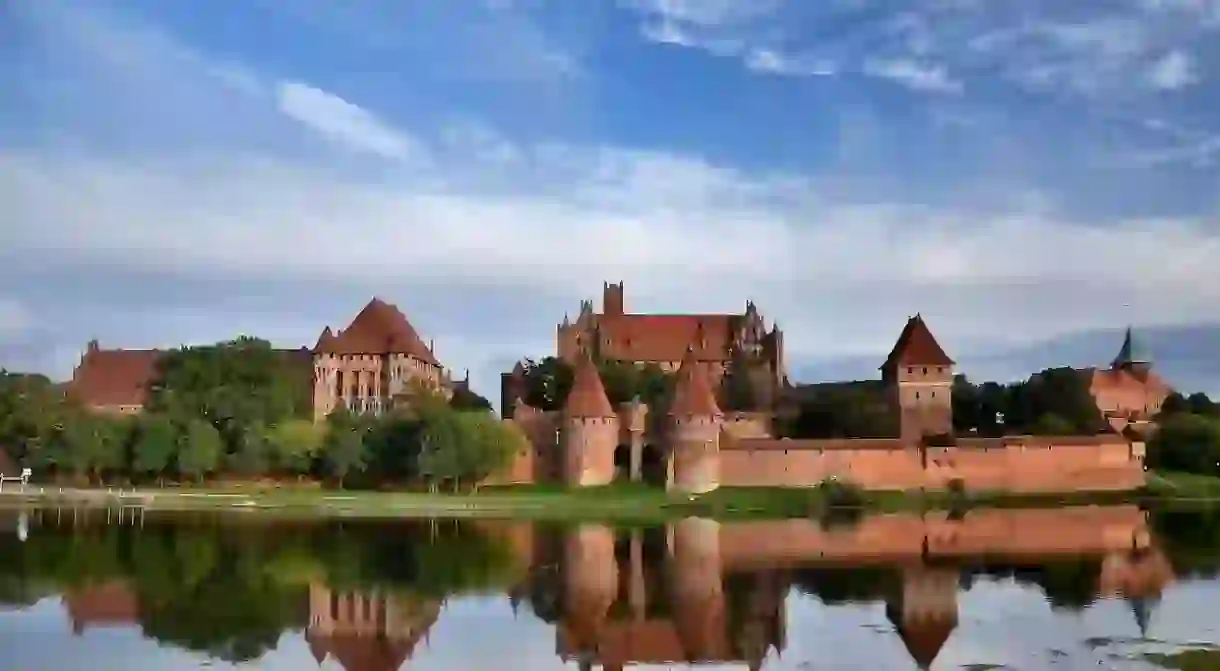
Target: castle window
(933, 394)
(910, 370)
(916, 396)
(925, 370)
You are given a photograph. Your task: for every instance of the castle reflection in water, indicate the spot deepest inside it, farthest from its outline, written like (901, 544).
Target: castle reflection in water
(699, 591)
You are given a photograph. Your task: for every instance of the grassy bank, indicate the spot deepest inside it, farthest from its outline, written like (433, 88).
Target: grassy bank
(619, 502)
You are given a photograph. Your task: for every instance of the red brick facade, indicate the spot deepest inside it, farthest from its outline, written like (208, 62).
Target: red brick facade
(701, 447)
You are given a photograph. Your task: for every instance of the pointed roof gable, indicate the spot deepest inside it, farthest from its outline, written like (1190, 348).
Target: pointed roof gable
(588, 396)
(917, 346)
(923, 636)
(693, 392)
(326, 341)
(1132, 351)
(381, 328)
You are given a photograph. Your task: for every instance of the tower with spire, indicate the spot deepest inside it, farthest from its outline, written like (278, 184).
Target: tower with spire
(695, 430)
(919, 377)
(590, 429)
(1132, 357)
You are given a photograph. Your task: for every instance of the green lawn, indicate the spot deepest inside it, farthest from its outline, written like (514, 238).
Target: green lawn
(620, 502)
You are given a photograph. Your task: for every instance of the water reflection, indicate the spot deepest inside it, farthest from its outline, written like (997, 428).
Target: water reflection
(367, 596)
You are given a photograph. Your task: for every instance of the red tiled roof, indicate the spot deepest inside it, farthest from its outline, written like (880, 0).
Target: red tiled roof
(588, 396)
(693, 392)
(380, 328)
(917, 347)
(107, 377)
(648, 337)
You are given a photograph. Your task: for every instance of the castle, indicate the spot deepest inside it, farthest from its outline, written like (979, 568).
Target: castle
(701, 446)
(702, 441)
(365, 368)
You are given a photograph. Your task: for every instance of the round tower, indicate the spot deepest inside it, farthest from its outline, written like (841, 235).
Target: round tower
(695, 432)
(590, 429)
(590, 579)
(696, 583)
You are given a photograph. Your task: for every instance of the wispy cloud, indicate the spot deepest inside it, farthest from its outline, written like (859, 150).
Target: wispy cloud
(347, 125)
(1173, 71)
(914, 75)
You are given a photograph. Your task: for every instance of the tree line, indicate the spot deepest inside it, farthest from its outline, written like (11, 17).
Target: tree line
(1187, 437)
(230, 589)
(242, 409)
(1055, 401)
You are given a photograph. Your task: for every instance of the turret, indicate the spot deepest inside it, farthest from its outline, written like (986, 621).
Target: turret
(325, 370)
(697, 588)
(590, 428)
(1132, 357)
(924, 613)
(696, 430)
(919, 376)
(590, 576)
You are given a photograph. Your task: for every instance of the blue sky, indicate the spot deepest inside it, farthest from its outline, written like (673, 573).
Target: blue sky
(1018, 171)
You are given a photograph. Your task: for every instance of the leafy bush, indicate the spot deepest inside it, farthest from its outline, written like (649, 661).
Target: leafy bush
(838, 493)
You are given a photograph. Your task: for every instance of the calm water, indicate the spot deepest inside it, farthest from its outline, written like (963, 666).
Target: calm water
(1090, 589)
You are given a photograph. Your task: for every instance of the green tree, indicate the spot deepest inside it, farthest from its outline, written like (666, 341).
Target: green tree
(1173, 404)
(155, 445)
(343, 450)
(620, 379)
(232, 385)
(201, 450)
(1186, 442)
(466, 399)
(295, 444)
(1050, 424)
(1200, 404)
(740, 393)
(547, 382)
(467, 447)
(251, 455)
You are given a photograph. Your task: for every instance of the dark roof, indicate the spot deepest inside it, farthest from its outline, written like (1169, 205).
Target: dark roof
(693, 391)
(1131, 352)
(916, 346)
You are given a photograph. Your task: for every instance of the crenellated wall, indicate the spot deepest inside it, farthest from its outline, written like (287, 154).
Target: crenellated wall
(1014, 463)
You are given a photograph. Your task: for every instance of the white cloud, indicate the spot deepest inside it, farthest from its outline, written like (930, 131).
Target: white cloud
(340, 121)
(708, 13)
(766, 60)
(549, 221)
(1174, 70)
(914, 75)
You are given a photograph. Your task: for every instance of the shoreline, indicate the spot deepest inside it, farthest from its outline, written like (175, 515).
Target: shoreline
(607, 503)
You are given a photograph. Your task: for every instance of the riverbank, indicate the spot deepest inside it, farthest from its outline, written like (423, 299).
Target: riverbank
(625, 502)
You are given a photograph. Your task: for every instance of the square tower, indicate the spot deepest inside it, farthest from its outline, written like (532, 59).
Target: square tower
(919, 378)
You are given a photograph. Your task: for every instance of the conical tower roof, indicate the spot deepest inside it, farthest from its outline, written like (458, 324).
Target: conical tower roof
(326, 342)
(693, 392)
(1132, 351)
(917, 346)
(587, 397)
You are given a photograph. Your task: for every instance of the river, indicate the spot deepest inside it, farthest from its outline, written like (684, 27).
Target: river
(1082, 588)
